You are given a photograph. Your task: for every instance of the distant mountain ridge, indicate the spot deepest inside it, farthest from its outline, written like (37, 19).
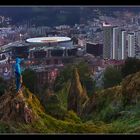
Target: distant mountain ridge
(57, 15)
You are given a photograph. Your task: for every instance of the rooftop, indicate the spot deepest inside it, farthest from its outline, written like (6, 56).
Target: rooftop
(47, 39)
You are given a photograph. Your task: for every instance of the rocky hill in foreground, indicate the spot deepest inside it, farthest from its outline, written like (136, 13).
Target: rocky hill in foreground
(114, 110)
(24, 113)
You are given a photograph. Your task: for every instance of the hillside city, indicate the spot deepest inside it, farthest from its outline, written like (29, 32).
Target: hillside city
(110, 40)
(78, 77)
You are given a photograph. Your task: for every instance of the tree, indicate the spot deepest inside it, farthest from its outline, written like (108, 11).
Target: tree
(132, 65)
(64, 76)
(30, 80)
(112, 77)
(67, 73)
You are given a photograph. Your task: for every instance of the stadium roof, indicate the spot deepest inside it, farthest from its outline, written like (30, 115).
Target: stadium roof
(47, 39)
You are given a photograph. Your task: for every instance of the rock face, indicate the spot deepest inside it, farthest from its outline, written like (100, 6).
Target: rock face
(117, 97)
(77, 95)
(109, 97)
(19, 108)
(131, 88)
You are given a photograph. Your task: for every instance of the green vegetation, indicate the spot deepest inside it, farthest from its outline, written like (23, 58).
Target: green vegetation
(5, 127)
(29, 80)
(46, 123)
(63, 94)
(85, 77)
(117, 108)
(111, 110)
(63, 77)
(132, 65)
(112, 77)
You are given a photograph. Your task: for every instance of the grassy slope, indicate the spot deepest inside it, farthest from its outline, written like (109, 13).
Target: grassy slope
(48, 124)
(108, 116)
(123, 118)
(110, 112)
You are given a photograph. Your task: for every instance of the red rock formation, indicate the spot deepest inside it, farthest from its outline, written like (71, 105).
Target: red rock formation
(77, 95)
(17, 107)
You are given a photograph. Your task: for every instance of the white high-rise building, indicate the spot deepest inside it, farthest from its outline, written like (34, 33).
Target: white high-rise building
(115, 43)
(137, 36)
(107, 41)
(122, 49)
(131, 45)
(123, 45)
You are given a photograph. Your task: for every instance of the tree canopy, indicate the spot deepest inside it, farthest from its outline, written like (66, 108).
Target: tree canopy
(132, 65)
(30, 79)
(66, 75)
(112, 77)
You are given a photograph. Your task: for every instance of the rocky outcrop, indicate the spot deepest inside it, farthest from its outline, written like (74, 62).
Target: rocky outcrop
(100, 100)
(77, 95)
(131, 89)
(19, 108)
(115, 99)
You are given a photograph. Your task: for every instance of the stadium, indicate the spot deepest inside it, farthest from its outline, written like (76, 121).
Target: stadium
(60, 40)
(41, 47)
(51, 46)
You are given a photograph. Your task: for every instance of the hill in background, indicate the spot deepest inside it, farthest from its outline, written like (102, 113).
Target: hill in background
(52, 16)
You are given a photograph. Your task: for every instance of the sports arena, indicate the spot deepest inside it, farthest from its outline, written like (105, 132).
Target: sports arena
(51, 46)
(41, 47)
(44, 40)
